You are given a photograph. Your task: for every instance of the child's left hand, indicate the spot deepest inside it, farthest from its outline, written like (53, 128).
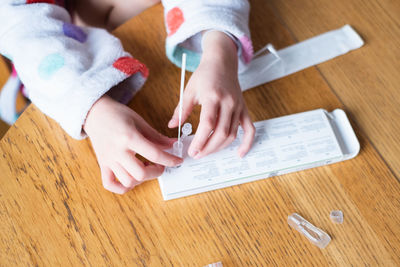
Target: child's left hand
(215, 86)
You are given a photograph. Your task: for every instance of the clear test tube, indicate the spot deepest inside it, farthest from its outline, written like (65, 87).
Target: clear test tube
(177, 148)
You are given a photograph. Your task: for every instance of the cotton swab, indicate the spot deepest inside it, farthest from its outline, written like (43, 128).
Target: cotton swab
(178, 145)
(181, 94)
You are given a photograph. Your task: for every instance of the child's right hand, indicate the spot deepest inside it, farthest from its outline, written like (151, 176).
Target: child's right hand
(117, 133)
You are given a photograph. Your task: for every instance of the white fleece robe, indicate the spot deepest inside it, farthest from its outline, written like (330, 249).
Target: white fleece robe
(66, 68)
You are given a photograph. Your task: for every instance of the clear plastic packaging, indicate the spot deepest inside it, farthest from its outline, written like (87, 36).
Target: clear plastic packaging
(215, 264)
(314, 234)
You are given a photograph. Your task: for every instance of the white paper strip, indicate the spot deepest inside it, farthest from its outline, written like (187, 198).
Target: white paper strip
(266, 68)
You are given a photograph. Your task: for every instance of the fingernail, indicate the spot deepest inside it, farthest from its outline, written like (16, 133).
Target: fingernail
(193, 153)
(197, 156)
(241, 154)
(170, 123)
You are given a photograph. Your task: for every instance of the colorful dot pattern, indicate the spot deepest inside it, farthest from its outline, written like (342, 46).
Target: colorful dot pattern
(130, 66)
(247, 48)
(14, 72)
(74, 32)
(50, 65)
(192, 61)
(40, 1)
(174, 20)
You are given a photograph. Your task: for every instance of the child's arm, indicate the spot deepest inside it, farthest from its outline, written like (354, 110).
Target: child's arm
(67, 70)
(214, 84)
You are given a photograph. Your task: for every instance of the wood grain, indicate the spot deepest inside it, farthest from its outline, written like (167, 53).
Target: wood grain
(54, 210)
(367, 80)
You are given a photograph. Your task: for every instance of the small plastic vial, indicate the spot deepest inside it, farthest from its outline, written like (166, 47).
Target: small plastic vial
(177, 148)
(314, 234)
(336, 216)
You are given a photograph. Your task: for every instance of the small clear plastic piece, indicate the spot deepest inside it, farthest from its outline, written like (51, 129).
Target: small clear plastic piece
(277, 64)
(177, 148)
(186, 130)
(272, 50)
(336, 216)
(215, 264)
(314, 234)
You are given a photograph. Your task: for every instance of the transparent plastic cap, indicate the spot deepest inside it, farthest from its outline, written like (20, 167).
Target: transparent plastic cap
(186, 129)
(336, 216)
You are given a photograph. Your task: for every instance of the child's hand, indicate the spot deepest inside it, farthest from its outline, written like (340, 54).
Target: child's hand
(117, 133)
(215, 86)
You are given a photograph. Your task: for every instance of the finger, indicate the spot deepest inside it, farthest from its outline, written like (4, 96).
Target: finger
(207, 123)
(124, 177)
(187, 106)
(220, 135)
(233, 131)
(153, 153)
(248, 135)
(110, 183)
(155, 137)
(139, 170)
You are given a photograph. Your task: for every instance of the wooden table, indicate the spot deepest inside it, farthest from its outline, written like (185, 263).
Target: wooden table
(54, 211)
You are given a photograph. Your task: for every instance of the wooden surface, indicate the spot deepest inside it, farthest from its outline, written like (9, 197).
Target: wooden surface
(3, 128)
(54, 210)
(367, 83)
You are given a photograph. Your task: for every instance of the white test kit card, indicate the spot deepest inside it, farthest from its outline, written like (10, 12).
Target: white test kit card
(282, 145)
